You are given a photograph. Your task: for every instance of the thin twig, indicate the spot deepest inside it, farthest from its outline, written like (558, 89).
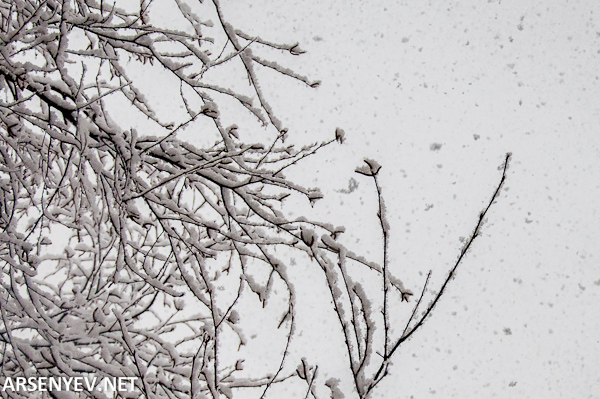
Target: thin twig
(382, 370)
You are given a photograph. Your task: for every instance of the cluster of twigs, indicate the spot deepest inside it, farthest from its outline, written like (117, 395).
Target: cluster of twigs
(125, 254)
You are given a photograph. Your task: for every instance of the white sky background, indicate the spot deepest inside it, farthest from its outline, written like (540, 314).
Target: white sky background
(481, 79)
(521, 76)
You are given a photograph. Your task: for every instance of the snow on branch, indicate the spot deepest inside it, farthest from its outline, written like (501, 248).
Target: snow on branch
(128, 252)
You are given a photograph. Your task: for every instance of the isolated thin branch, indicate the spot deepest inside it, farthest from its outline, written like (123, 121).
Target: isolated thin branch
(408, 332)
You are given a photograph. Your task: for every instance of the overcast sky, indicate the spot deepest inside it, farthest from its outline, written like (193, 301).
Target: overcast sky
(438, 92)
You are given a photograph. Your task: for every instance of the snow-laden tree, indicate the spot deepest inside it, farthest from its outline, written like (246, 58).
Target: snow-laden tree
(127, 251)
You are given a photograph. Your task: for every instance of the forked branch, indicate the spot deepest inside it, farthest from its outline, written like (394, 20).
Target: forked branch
(371, 169)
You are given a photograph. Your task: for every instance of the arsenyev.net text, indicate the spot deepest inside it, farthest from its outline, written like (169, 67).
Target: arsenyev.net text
(75, 384)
